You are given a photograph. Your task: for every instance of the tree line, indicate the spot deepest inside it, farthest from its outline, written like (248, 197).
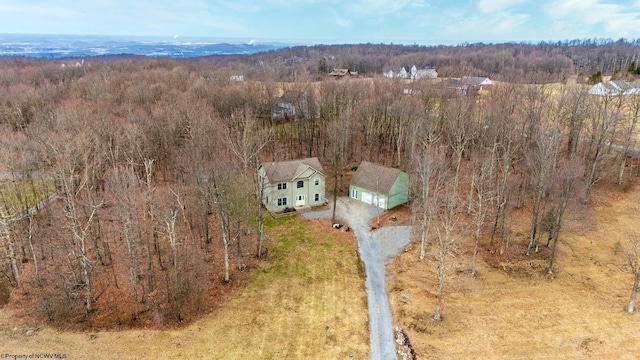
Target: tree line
(519, 62)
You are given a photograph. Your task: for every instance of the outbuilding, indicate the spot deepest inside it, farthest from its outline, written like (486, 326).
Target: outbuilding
(379, 185)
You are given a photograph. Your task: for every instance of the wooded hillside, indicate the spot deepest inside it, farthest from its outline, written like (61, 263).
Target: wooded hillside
(154, 162)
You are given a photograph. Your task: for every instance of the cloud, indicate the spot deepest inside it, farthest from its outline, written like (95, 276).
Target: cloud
(491, 6)
(579, 17)
(377, 7)
(509, 24)
(342, 22)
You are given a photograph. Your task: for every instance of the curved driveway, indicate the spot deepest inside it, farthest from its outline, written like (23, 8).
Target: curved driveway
(375, 248)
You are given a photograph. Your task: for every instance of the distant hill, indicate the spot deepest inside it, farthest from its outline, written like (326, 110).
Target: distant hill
(543, 62)
(72, 46)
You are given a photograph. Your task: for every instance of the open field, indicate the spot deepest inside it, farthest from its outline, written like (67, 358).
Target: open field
(310, 280)
(514, 310)
(18, 196)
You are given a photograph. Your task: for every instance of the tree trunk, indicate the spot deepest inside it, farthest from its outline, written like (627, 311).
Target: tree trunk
(634, 291)
(259, 218)
(423, 241)
(437, 316)
(225, 243)
(335, 195)
(475, 252)
(239, 244)
(11, 252)
(36, 267)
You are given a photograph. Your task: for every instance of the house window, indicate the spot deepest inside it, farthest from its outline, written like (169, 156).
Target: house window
(300, 184)
(316, 182)
(282, 186)
(354, 193)
(316, 197)
(282, 201)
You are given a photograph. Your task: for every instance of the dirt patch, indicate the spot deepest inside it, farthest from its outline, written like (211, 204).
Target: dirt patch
(513, 259)
(398, 216)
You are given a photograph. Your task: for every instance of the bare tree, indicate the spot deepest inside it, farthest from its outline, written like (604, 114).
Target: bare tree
(339, 135)
(8, 243)
(573, 110)
(247, 141)
(631, 253)
(481, 189)
(565, 183)
(227, 197)
(445, 237)
(125, 188)
(428, 162)
(628, 130)
(541, 160)
(603, 125)
(501, 134)
(458, 119)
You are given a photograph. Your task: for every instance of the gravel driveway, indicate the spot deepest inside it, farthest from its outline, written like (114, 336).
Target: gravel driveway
(375, 248)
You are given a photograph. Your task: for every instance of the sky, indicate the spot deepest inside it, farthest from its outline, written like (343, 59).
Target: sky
(308, 22)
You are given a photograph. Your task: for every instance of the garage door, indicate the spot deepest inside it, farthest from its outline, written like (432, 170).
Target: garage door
(367, 197)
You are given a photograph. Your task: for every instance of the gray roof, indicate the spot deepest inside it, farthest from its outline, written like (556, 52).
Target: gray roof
(474, 80)
(616, 87)
(374, 177)
(289, 170)
(339, 72)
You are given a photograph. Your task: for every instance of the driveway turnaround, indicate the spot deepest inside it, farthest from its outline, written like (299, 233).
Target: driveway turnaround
(376, 248)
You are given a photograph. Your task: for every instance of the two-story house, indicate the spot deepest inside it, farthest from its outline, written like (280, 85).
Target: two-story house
(294, 183)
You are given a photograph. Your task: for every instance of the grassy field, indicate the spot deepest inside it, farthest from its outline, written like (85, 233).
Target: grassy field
(311, 279)
(18, 196)
(522, 313)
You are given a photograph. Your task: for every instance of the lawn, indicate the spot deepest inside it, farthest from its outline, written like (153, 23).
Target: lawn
(18, 196)
(310, 280)
(517, 311)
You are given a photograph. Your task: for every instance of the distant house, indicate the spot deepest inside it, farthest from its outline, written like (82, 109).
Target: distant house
(396, 73)
(417, 74)
(478, 83)
(450, 87)
(389, 73)
(402, 74)
(340, 73)
(292, 105)
(379, 185)
(615, 88)
(414, 73)
(283, 109)
(632, 158)
(294, 183)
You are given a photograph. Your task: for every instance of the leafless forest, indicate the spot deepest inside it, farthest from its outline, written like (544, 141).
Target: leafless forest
(154, 161)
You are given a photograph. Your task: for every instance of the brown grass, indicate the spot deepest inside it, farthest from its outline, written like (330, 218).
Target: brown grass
(513, 309)
(398, 216)
(310, 280)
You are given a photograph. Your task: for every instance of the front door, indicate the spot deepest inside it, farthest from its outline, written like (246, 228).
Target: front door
(300, 200)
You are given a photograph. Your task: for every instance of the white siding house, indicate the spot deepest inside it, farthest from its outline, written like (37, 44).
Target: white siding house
(615, 88)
